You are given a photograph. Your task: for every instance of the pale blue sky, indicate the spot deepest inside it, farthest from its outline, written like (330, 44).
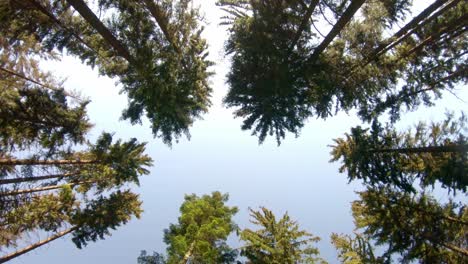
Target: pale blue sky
(295, 177)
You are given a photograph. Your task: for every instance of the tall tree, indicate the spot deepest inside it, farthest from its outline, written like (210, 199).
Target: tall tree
(413, 227)
(277, 241)
(162, 64)
(275, 89)
(201, 233)
(430, 154)
(93, 221)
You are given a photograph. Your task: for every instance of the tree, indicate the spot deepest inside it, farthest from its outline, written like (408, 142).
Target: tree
(34, 107)
(415, 227)
(356, 250)
(275, 88)
(277, 241)
(105, 167)
(162, 64)
(156, 258)
(435, 153)
(93, 221)
(201, 233)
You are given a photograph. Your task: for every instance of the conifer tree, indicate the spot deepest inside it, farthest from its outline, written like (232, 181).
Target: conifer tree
(430, 154)
(277, 241)
(283, 72)
(413, 227)
(356, 250)
(93, 221)
(161, 63)
(201, 233)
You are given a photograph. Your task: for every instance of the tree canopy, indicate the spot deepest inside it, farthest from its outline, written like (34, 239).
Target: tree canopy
(283, 72)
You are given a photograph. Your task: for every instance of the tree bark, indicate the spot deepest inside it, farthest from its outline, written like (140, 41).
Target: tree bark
(93, 20)
(188, 254)
(303, 25)
(456, 249)
(25, 250)
(430, 149)
(36, 178)
(161, 19)
(409, 28)
(340, 24)
(18, 162)
(41, 189)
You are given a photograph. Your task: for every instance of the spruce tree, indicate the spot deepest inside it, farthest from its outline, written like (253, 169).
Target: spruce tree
(277, 241)
(429, 154)
(154, 48)
(413, 227)
(283, 72)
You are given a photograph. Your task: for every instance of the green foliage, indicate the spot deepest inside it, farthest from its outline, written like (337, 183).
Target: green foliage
(267, 82)
(48, 212)
(156, 258)
(201, 233)
(31, 116)
(102, 214)
(277, 242)
(430, 154)
(165, 73)
(276, 83)
(355, 250)
(415, 227)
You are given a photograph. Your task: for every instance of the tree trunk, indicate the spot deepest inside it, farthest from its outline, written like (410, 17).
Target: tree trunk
(456, 249)
(430, 149)
(25, 250)
(93, 20)
(41, 189)
(36, 178)
(303, 25)
(188, 254)
(61, 25)
(409, 28)
(162, 21)
(340, 24)
(18, 162)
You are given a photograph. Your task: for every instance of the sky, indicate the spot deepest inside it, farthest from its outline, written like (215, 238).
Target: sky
(295, 177)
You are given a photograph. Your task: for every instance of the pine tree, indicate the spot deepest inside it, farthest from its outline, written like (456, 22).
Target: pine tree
(277, 241)
(430, 154)
(201, 233)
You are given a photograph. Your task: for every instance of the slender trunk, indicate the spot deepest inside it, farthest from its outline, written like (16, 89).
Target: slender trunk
(25, 250)
(337, 28)
(18, 162)
(410, 27)
(41, 189)
(61, 25)
(456, 249)
(36, 178)
(188, 254)
(430, 149)
(406, 31)
(303, 24)
(93, 20)
(448, 29)
(36, 82)
(162, 21)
